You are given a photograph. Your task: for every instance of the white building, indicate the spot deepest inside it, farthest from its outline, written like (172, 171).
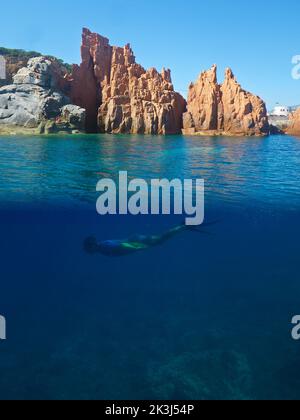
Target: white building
(280, 111)
(2, 68)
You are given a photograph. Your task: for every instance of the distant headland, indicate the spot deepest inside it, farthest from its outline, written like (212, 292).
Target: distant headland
(110, 93)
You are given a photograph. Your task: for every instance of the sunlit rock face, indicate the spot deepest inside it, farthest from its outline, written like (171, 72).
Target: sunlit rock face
(294, 127)
(223, 109)
(119, 95)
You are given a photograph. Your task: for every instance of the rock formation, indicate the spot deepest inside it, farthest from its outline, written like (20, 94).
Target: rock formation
(294, 127)
(119, 95)
(34, 101)
(111, 93)
(223, 109)
(13, 65)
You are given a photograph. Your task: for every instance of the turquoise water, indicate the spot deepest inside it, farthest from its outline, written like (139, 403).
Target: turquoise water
(202, 317)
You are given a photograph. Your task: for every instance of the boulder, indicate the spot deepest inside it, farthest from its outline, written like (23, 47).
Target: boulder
(74, 115)
(38, 72)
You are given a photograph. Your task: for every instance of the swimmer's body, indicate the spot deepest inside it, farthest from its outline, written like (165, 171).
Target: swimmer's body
(119, 248)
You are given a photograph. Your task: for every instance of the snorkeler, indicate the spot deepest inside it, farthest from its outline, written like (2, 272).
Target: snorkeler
(119, 248)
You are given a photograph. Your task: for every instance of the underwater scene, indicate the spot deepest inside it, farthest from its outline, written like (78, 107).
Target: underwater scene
(203, 315)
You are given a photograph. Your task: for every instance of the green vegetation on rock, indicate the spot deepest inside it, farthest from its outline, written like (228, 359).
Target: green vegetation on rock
(22, 54)
(19, 53)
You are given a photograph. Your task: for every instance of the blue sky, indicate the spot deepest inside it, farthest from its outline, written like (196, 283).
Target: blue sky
(257, 38)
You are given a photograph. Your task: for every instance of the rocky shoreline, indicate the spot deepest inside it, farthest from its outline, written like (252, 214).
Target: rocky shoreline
(35, 103)
(110, 93)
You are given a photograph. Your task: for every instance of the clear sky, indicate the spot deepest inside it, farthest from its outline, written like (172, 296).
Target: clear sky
(257, 38)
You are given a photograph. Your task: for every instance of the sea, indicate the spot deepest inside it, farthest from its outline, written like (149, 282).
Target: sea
(205, 316)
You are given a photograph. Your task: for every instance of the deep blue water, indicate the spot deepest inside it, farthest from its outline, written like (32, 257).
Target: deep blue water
(202, 317)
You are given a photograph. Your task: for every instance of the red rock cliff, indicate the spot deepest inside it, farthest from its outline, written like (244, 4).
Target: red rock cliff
(223, 109)
(294, 127)
(119, 95)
